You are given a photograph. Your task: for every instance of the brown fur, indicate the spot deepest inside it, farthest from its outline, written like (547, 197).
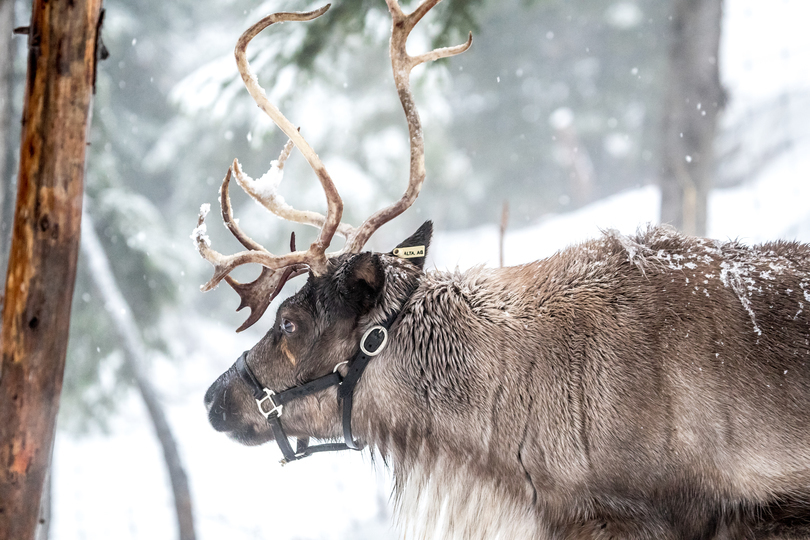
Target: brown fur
(654, 386)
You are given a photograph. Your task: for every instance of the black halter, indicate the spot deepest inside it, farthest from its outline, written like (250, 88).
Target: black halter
(371, 344)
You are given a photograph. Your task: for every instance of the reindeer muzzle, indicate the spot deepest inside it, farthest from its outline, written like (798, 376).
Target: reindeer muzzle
(271, 404)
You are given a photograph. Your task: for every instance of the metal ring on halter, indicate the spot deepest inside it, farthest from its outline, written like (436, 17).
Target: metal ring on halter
(340, 364)
(379, 349)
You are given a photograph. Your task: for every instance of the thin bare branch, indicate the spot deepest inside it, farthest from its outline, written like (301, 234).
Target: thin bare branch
(502, 232)
(135, 357)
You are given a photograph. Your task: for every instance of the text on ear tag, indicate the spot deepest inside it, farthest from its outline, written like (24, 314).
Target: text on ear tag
(410, 252)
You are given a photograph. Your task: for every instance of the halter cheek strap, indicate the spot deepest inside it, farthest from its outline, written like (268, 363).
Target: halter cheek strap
(371, 344)
(271, 404)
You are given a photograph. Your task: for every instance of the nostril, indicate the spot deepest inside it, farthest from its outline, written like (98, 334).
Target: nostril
(223, 411)
(218, 417)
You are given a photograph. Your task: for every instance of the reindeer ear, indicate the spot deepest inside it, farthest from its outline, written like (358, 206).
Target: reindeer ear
(415, 247)
(361, 281)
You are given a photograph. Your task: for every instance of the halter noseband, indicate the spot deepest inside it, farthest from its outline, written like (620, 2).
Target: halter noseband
(271, 404)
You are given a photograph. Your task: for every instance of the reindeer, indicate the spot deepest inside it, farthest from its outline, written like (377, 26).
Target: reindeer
(653, 386)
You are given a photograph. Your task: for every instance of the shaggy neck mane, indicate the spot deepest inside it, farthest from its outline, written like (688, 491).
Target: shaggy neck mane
(426, 401)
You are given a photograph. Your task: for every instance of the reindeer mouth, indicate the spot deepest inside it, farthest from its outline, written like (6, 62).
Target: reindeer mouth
(245, 433)
(251, 436)
(226, 416)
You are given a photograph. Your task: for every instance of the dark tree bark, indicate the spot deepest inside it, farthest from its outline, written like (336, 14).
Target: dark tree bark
(693, 102)
(45, 243)
(135, 356)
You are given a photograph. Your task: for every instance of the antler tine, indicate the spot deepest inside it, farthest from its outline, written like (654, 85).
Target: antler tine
(260, 293)
(264, 193)
(402, 64)
(257, 295)
(224, 264)
(227, 216)
(285, 153)
(334, 209)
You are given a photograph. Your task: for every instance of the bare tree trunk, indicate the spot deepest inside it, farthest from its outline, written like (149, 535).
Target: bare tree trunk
(7, 50)
(45, 244)
(135, 355)
(693, 102)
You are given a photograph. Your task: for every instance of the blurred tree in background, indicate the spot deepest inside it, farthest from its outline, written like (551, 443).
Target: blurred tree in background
(693, 102)
(124, 197)
(559, 106)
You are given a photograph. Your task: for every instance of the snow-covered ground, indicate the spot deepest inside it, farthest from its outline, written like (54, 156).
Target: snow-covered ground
(115, 487)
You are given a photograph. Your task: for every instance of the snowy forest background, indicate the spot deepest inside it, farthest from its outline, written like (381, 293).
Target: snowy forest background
(556, 109)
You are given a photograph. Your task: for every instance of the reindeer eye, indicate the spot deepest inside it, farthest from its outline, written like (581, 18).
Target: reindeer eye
(287, 326)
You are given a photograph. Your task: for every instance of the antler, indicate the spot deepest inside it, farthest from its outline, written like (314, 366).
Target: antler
(314, 257)
(402, 64)
(277, 269)
(257, 294)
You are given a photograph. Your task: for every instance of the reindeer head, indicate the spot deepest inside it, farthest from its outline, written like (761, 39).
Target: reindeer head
(318, 330)
(316, 333)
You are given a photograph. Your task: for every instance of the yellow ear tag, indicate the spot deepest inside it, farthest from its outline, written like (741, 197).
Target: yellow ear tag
(410, 252)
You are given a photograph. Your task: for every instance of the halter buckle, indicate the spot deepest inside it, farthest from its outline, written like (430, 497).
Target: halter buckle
(296, 457)
(275, 409)
(380, 345)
